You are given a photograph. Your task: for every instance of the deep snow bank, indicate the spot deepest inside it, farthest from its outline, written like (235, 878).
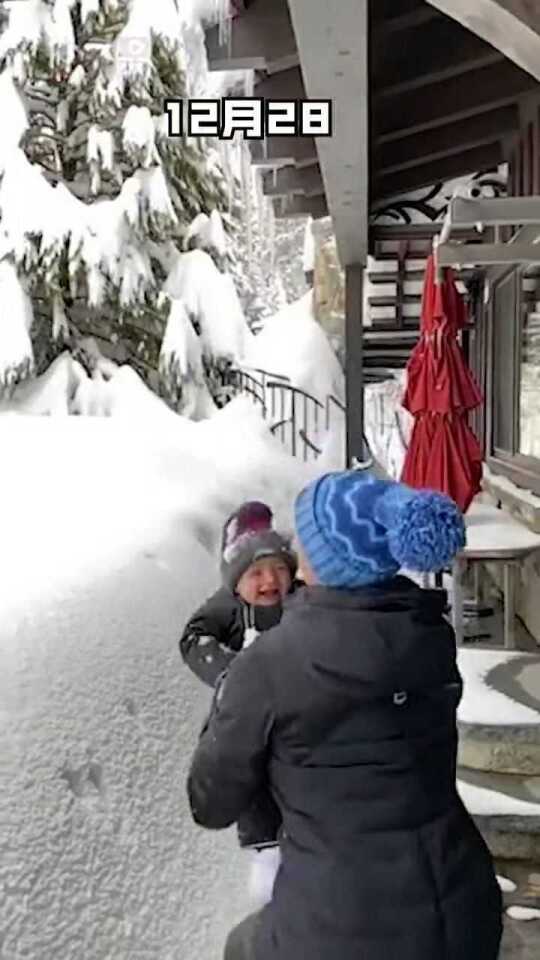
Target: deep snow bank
(109, 528)
(294, 345)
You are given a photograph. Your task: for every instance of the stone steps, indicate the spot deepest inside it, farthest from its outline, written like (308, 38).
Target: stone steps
(506, 809)
(511, 749)
(499, 762)
(499, 718)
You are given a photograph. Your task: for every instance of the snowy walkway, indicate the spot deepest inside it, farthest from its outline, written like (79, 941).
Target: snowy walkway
(101, 859)
(108, 544)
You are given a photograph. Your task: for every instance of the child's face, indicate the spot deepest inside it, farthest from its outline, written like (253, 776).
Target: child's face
(265, 583)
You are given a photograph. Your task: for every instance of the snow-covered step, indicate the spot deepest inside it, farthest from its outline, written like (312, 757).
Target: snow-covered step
(499, 716)
(519, 883)
(506, 810)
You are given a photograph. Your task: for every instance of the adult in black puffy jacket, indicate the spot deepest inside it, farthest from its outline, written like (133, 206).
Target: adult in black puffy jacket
(347, 711)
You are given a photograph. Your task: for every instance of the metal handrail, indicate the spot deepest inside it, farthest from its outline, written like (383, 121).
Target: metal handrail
(296, 390)
(332, 400)
(304, 409)
(309, 443)
(265, 373)
(337, 403)
(294, 393)
(244, 383)
(280, 423)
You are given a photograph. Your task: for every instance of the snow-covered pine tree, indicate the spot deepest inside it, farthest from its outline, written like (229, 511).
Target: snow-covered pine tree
(253, 263)
(95, 198)
(200, 281)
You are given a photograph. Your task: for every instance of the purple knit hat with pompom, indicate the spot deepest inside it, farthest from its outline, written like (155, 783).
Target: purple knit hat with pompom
(248, 536)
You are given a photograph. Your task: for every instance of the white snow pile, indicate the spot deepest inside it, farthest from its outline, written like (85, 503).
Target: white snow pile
(523, 913)
(506, 885)
(293, 347)
(293, 344)
(181, 359)
(108, 485)
(388, 426)
(110, 529)
(211, 302)
(482, 801)
(482, 703)
(207, 233)
(110, 391)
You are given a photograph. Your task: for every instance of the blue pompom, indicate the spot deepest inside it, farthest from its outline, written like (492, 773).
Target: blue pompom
(427, 531)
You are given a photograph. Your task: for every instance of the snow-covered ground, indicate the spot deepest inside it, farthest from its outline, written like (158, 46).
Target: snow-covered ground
(109, 532)
(481, 801)
(482, 703)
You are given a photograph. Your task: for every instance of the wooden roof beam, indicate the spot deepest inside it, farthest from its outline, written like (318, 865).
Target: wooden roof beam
(441, 55)
(465, 162)
(450, 100)
(333, 48)
(388, 20)
(261, 35)
(511, 26)
(284, 85)
(314, 206)
(288, 179)
(453, 138)
(283, 150)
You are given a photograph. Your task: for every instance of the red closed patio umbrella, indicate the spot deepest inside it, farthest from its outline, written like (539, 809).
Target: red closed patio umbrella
(443, 453)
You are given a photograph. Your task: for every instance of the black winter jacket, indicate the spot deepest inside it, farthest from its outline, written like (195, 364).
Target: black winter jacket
(347, 710)
(211, 639)
(217, 631)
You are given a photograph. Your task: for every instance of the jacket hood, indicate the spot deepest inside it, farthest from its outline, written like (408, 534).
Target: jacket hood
(393, 596)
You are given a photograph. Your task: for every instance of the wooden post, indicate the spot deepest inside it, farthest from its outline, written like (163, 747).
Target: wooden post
(354, 361)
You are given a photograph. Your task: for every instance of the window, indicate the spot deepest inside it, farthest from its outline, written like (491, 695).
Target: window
(514, 394)
(504, 318)
(529, 371)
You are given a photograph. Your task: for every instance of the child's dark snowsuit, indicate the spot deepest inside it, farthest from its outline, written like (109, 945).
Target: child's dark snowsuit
(225, 624)
(213, 637)
(218, 630)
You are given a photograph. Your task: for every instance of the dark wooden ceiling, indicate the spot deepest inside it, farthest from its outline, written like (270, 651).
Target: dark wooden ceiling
(442, 101)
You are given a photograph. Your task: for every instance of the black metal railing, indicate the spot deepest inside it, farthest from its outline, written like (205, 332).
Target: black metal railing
(299, 416)
(241, 381)
(332, 403)
(295, 416)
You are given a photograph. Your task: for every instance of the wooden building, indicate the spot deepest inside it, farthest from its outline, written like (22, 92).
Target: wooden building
(423, 92)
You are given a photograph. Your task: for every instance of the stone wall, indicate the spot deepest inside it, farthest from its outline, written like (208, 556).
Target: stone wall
(329, 286)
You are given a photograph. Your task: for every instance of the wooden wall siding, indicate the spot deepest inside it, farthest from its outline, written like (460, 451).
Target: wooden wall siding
(526, 161)
(523, 154)
(393, 291)
(395, 280)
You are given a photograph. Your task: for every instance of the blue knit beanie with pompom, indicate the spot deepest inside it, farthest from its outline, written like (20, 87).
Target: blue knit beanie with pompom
(357, 530)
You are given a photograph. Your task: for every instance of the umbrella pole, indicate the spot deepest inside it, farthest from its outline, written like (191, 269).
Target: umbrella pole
(442, 238)
(437, 271)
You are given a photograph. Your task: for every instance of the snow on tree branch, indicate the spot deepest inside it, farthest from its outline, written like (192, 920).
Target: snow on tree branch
(212, 304)
(97, 201)
(16, 317)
